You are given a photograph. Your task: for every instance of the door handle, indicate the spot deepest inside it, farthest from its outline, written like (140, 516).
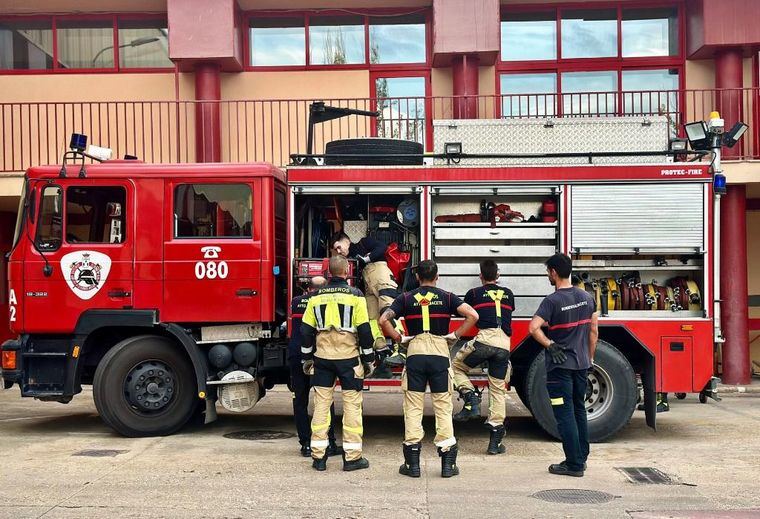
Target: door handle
(119, 292)
(245, 292)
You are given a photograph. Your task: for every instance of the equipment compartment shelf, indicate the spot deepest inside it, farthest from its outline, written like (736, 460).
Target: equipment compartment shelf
(497, 225)
(653, 314)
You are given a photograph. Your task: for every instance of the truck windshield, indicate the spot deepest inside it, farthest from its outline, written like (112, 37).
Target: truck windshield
(20, 216)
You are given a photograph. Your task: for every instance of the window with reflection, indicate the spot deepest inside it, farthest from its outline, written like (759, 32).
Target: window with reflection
(653, 92)
(85, 44)
(397, 39)
(532, 95)
(589, 93)
(589, 33)
(401, 103)
(336, 40)
(277, 41)
(529, 36)
(144, 44)
(650, 32)
(26, 45)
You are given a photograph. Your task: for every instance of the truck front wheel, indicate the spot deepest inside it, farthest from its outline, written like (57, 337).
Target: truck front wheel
(145, 386)
(610, 394)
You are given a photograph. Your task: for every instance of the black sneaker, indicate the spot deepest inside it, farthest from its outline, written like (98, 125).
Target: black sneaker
(306, 451)
(320, 464)
(361, 463)
(562, 470)
(333, 449)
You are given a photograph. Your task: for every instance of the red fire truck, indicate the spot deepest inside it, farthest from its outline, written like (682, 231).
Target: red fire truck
(166, 287)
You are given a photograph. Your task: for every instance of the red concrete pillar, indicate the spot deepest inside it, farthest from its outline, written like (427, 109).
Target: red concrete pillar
(729, 80)
(208, 134)
(464, 70)
(733, 286)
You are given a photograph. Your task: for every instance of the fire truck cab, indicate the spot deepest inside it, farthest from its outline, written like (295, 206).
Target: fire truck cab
(166, 286)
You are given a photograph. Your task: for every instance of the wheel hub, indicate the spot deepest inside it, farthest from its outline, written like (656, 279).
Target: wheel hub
(150, 386)
(599, 390)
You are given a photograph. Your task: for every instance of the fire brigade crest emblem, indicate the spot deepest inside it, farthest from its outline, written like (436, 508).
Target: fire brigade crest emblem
(85, 272)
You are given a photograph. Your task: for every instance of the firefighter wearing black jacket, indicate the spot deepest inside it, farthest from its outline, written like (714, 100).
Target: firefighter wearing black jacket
(299, 381)
(491, 345)
(335, 321)
(379, 286)
(427, 311)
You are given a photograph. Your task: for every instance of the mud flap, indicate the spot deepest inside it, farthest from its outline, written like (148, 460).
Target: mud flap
(648, 374)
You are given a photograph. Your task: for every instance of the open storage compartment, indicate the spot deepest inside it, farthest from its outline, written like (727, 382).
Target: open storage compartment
(390, 214)
(642, 256)
(518, 227)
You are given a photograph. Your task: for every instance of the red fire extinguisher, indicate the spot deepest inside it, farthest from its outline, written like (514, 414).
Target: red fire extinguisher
(549, 210)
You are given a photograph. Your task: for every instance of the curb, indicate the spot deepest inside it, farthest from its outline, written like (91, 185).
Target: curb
(728, 390)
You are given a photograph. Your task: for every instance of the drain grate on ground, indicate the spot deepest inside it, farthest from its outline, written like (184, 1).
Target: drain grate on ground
(259, 434)
(100, 453)
(646, 476)
(574, 496)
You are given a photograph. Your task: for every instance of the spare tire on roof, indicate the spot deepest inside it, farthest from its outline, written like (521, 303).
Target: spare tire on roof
(375, 147)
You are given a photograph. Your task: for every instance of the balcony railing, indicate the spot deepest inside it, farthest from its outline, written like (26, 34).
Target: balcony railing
(270, 130)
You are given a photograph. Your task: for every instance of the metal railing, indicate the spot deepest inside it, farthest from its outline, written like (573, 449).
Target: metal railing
(270, 130)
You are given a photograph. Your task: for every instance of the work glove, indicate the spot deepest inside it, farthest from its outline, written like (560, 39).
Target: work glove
(382, 354)
(369, 368)
(558, 356)
(308, 367)
(363, 260)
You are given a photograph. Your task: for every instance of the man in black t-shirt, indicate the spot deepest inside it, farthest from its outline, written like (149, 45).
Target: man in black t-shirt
(571, 316)
(380, 289)
(494, 305)
(300, 383)
(427, 313)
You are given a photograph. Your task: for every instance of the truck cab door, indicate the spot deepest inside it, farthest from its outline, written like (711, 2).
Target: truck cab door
(212, 253)
(82, 256)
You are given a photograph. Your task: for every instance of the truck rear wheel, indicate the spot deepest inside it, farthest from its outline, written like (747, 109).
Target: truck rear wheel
(375, 146)
(610, 394)
(145, 386)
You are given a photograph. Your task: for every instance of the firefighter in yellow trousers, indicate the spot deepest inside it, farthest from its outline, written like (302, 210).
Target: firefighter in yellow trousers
(427, 312)
(491, 345)
(335, 320)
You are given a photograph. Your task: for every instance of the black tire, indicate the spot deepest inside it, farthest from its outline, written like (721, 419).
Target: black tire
(373, 146)
(110, 394)
(519, 382)
(680, 396)
(611, 415)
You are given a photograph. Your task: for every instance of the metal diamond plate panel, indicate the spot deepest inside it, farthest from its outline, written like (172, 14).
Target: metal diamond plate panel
(582, 134)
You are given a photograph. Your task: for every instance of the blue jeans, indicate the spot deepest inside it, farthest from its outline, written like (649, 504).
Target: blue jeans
(567, 391)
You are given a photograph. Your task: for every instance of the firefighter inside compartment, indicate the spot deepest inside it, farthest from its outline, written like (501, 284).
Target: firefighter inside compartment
(335, 321)
(427, 311)
(494, 305)
(379, 285)
(300, 384)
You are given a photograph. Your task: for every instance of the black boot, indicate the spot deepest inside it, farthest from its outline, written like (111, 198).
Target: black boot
(361, 463)
(471, 408)
(305, 450)
(399, 356)
(449, 462)
(494, 443)
(333, 449)
(320, 464)
(411, 466)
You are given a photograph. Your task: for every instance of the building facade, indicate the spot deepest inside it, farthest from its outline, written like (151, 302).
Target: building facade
(231, 80)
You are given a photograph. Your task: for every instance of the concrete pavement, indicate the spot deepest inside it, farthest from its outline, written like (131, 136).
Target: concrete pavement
(47, 467)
